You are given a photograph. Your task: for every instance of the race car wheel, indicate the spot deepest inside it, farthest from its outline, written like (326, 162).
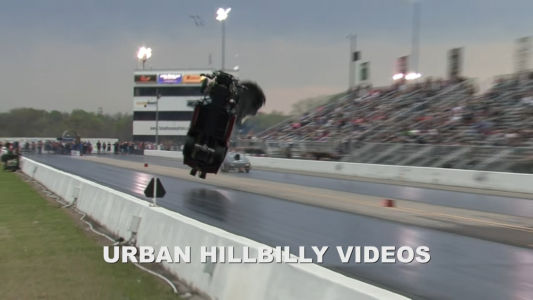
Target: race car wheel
(193, 172)
(247, 170)
(220, 154)
(202, 175)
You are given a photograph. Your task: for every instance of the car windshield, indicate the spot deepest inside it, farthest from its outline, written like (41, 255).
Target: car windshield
(236, 156)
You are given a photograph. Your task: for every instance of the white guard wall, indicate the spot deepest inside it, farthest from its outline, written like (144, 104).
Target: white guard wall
(165, 127)
(165, 103)
(497, 181)
(160, 227)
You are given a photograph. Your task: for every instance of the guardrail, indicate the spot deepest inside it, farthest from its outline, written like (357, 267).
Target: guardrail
(497, 181)
(160, 227)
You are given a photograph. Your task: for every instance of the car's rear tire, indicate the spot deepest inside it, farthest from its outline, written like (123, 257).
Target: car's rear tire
(193, 172)
(219, 155)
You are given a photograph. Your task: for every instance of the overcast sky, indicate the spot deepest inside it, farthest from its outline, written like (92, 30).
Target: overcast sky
(66, 54)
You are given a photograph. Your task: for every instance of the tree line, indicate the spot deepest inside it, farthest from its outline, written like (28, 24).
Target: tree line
(30, 122)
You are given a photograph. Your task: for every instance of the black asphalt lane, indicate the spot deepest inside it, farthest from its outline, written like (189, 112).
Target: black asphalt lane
(486, 203)
(460, 267)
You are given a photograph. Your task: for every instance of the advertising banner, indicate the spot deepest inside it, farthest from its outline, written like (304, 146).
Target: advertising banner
(192, 78)
(365, 71)
(165, 127)
(165, 104)
(523, 53)
(455, 62)
(145, 78)
(356, 56)
(169, 78)
(402, 65)
(144, 104)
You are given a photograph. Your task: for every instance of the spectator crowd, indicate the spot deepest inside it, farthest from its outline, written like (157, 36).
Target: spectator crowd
(433, 112)
(84, 147)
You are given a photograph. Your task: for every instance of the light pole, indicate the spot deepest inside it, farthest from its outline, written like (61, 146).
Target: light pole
(352, 64)
(222, 15)
(415, 43)
(236, 68)
(415, 46)
(157, 119)
(144, 54)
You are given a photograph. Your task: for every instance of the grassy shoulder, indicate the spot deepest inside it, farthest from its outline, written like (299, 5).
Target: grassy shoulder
(46, 254)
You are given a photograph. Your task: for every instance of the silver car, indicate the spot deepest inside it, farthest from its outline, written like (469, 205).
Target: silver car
(236, 161)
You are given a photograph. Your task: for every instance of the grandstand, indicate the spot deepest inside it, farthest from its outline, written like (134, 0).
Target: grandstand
(432, 124)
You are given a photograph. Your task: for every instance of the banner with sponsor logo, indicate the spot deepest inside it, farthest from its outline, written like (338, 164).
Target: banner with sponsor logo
(192, 78)
(356, 56)
(365, 71)
(165, 104)
(455, 62)
(169, 78)
(145, 78)
(522, 55)
(402, 65)
(165, 127)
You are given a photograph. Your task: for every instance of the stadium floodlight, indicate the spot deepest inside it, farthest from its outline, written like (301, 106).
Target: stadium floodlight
(144, 54)
(397, 77)
(415, 46)
(222, 15)
(413, 76)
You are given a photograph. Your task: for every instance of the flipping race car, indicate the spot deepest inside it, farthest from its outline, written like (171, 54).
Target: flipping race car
(226, 102)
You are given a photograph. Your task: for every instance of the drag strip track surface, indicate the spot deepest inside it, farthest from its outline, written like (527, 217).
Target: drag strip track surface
(461, 267)
(479, 202)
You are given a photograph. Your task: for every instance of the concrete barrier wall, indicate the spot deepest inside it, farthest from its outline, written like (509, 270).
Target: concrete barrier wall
(509, 182)
(160, 227)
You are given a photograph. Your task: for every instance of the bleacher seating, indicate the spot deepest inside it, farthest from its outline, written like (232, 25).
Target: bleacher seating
(438, 124)
(361, 113)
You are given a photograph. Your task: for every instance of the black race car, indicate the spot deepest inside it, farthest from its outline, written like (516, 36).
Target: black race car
(227, 102)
